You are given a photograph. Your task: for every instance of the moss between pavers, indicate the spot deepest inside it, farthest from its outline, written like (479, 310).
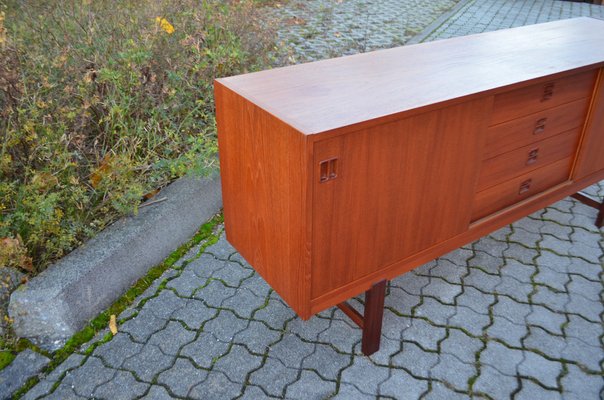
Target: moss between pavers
(205, 233)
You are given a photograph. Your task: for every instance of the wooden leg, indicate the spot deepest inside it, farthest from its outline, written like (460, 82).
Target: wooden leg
(592, 203)
(371, 320)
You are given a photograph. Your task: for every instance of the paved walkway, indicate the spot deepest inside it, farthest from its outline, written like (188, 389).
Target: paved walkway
(517, 314)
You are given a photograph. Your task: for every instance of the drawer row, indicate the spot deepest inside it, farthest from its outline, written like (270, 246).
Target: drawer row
(531, 141)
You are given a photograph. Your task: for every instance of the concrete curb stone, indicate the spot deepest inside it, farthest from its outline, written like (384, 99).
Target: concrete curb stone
(61, 300)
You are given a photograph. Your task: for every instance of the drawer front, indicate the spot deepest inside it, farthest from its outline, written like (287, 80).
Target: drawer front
(513, 191)
(533, 128)
(535, 98)
(528, 158)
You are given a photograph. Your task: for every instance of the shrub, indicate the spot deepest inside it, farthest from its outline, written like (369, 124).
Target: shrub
(102, 102)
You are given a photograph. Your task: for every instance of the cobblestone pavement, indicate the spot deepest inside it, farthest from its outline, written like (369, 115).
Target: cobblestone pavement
(517, 314)
(318, 29)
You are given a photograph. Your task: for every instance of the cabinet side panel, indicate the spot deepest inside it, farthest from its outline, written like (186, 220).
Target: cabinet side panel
(263, 173)
(400, 188)
(591, 153)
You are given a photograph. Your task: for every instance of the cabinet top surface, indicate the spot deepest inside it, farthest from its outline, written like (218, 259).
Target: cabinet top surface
(324, 95)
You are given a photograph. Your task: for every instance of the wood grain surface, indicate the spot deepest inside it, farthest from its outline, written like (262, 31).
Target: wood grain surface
(325, 95)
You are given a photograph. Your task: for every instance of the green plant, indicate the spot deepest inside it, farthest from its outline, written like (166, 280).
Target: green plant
(102, 103)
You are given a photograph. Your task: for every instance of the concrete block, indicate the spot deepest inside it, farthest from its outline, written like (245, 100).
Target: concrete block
(61, 300)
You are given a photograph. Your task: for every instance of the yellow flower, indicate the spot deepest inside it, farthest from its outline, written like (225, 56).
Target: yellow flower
(165, 25)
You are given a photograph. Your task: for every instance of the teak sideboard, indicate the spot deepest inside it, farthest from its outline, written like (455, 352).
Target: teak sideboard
(341, 174)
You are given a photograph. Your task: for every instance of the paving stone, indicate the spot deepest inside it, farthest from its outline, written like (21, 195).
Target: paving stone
(276, 314)
(442, 290)
(27, 364)
(257, 337)
(588, 309)
(411, 283)
(341, 335)
(214, 293)
(148, 363)
(205, 266)
(254, 393)
(520, 272)
(586, 288)
(496, 384)
(274, 377)
(308, 330)
(64, 392)
(216, 387)
(164, 305)
(244, 303)
(400, 382)
(226, 326)
(256, 285)
(476, 300)
(511, 287)
(326, 362)
(501, 358)
(424, 334)
(348, 391)
(589, 356)
(436, 312)
(232, 274)
(555, 300)
(531, 391)
(441, 392)
(291, 351)
(481, 280)
(172, 338)
(415, 360)
(122, 386)
(541, 341)
(222, 249)
(364, 376)
(470, 320)
(580, 386)
(186, 283)
(544, 318)
(42, 388)
(143, 326)
(310, 387)
(194, 314)
(584, 268)
(589, 332)
(205, 349)
(237, 364)
(461, 346)
(85, 379)
(454, 371)
(182, 377)
(511, 310)
(540, 368)
(400, 300)
(115, 352)
(388, 348)
(447, 270)
(157, 393)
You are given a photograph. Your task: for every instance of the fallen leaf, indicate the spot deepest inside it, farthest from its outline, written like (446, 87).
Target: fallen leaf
(113, 324)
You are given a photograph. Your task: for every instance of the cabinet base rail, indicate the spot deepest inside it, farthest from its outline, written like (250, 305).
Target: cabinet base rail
(587, 200)
(371, 320)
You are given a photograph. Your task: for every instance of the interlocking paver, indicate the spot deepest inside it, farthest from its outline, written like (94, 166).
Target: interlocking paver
(310, 387)
(148, 363)
(123, 386)
(205, 349)
(512, 314)
(182, 377)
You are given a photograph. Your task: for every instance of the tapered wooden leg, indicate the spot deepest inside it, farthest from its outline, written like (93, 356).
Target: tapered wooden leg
(372, 318)
(592, 203)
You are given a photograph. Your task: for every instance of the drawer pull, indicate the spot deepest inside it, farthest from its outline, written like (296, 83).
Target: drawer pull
(539, 126)
(532, 156)
(328, 170)
(548, 92)
(525, 186)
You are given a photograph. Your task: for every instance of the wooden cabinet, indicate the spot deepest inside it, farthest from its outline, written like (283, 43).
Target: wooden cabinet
(343, 173)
